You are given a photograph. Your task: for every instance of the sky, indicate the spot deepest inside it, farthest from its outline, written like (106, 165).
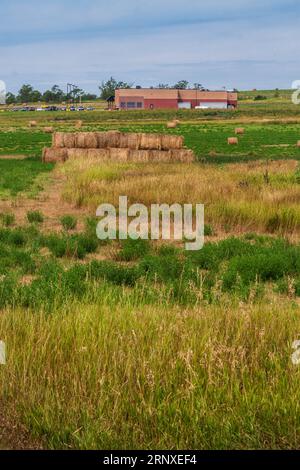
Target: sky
(232, 43)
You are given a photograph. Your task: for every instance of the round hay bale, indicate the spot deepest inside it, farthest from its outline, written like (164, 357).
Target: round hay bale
(113, 139)
(172, 125)
(78, 124)
(176, 121)
(240, 130)
(182, 155)
(102, 139)
(138, 156)
(162, 156)
(99, 154)
(119, 155)
(77, 153)
(53, 155)
(69, 140)
(58, 139)
(172, 142)
(130, 140)
(32, 124)
(150, 142)
(86, 140)
(48, 130)
(233, 141)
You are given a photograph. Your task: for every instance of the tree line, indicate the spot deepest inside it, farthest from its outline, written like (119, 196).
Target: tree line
(27, 94)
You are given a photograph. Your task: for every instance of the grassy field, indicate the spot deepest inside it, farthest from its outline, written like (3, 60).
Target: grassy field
(138, 344)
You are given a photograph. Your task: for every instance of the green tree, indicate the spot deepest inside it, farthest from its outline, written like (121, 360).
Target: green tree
(163, 86)
(109, 87)
(10, 98)
(182, 85)
(55, 95)
(27, 94)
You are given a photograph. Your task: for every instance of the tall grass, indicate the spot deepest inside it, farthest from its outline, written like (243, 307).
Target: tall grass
(236, 196)
(113, 375)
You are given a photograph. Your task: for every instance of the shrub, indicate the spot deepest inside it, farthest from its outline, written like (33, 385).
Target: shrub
(133, 249)
(35, 217)
(68, 222)
(8, 219)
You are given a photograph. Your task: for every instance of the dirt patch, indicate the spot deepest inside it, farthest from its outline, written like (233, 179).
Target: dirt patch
(13, 435)
(49, 202)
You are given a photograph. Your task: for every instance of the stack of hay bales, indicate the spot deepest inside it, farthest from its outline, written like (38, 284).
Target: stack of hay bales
(118, 147)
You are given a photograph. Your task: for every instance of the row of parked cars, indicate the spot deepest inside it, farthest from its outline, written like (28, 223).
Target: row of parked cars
(54, 108)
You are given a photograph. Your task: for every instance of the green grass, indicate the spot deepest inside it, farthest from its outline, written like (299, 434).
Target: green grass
(18, 176)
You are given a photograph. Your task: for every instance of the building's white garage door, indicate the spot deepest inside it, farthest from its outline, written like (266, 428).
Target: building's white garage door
(214, 105)
(185, 105)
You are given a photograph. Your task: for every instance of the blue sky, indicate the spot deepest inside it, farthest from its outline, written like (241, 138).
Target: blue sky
(232, 43)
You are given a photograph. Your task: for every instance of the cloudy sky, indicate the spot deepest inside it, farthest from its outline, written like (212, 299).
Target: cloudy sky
(232, 43)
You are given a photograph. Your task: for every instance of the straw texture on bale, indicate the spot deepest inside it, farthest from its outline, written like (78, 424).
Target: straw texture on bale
(51, 155)
(139, 156)
(240, 130)
(58, 140)
(233, 141)
(131, 141)
(182, 155)
(69, 140)
(77, 153)
(171, 142)
(159, 156)
(119, 155)
(113, 139)
(99, 154)
(86, 140)
(102, 140)
(150, 142)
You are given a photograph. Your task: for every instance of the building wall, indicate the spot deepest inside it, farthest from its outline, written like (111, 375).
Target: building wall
(169, 99)
(161, 103)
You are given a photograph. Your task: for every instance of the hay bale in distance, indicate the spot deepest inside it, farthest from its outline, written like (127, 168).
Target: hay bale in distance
(298, 143)
(78, 124)
(233, 141)
(53, 155)
(172, 125)
(150, 142)
(32, 124)
(171, 142)
(58, 140)
(48, 130)
(240, 130)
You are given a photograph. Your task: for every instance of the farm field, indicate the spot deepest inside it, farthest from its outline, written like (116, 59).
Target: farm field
(138, 344)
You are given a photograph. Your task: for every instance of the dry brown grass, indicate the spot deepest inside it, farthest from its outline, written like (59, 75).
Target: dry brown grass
(238, 196)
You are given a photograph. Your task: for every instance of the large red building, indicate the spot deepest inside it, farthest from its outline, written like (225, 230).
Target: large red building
(160, 98)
